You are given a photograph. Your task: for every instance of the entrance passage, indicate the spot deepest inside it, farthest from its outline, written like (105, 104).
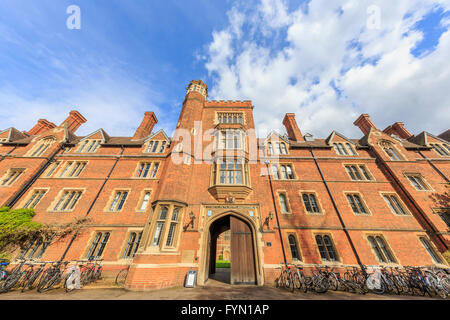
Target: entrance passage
(232, 238)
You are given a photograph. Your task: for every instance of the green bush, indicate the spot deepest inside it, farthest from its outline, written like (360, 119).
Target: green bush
(16, 227)
(223, 264)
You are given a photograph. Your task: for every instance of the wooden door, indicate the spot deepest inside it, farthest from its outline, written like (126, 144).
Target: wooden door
(242, 253)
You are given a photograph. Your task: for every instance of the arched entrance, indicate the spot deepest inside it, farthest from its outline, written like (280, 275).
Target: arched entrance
(242, 251)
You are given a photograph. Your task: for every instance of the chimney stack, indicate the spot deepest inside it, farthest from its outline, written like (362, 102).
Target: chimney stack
(74, 121)
(146, 126)
(398, 129)
(292, 128)
(41, 126)
(364, 123)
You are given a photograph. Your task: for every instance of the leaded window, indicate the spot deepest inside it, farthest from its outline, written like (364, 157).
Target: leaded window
(326, 248)
(381, 249)
(98, 245)
(294, 248)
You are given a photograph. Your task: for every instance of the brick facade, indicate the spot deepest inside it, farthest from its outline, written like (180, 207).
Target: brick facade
(188, 193)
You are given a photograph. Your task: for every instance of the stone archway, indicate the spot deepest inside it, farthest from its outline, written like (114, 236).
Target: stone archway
(245, 238)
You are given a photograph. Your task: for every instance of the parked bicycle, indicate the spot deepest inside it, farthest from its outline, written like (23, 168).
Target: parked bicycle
(121, 277)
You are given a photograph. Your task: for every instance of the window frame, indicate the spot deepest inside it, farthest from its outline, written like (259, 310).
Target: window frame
(134, 246)
(361, 171)
(423, 239)
(91, 249)
(71, 169)
(151, 174)
(117, 200)
(30, 199)
(166, 222)
(293, 235)
(141, 200)
(333, 245)
(92, 145)
(61, 200)
(319, 204)
(399, 201)
(383, 253)
(362, 202)
(221, 165)
(9, 178)
(422, 182)
(286, 198)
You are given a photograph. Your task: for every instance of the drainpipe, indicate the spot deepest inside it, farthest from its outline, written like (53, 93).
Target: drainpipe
(434, 167)
(337, 212)
(276, 212)
(9, 152)
(431, 228)
(33, 179)
(93, 202)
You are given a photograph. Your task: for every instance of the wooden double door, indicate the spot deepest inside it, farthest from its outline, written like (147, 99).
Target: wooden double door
(242, 253)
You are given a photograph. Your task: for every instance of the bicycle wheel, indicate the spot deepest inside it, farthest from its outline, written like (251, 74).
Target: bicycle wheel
(24, 283)
(321, 285)
(32, 283)
(49, 282)
(11, 281)
(122, 277)
(333, 282)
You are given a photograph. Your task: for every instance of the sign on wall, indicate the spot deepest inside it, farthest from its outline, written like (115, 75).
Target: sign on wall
(191, 279)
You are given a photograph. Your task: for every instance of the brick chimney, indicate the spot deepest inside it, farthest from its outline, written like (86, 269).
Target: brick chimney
(292, 128)
(74, 121)
(146, 126)
(398, 129)
(41, 126)
(364, 123)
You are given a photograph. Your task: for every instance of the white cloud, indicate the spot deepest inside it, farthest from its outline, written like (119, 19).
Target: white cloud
(115, 103)
(286, 61)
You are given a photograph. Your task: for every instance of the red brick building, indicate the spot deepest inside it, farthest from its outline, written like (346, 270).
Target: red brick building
(159, 203)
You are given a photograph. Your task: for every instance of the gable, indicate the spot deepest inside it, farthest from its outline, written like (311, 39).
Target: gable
(337, 137)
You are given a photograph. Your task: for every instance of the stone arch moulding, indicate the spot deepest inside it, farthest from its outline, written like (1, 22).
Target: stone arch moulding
(257, 246)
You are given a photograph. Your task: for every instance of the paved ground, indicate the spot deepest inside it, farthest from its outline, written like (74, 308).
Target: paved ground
(214, 290)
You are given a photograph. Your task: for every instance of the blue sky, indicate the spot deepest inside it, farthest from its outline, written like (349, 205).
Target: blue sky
(287, 56)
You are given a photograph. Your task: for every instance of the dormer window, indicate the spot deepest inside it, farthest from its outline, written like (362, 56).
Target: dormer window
(41, 147)
(390, 150)
(89, 146)
(275, 148)
(156, 146)
(344, 149)
(442, 149)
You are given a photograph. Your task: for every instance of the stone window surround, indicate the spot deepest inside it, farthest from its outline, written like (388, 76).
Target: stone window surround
(8, 173)
(111, 199)
(357, 165)
(299, 250)
(333, 242)
(358, 193)
(421, 177)
(31, 193)
(58, 197)
(64, 164)
(152, 166)
(319, 202)
(366, 236)
(400, 201)
(120, 256)
(141, 199)
(92, 237)
(162, 248)
(285, 193)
